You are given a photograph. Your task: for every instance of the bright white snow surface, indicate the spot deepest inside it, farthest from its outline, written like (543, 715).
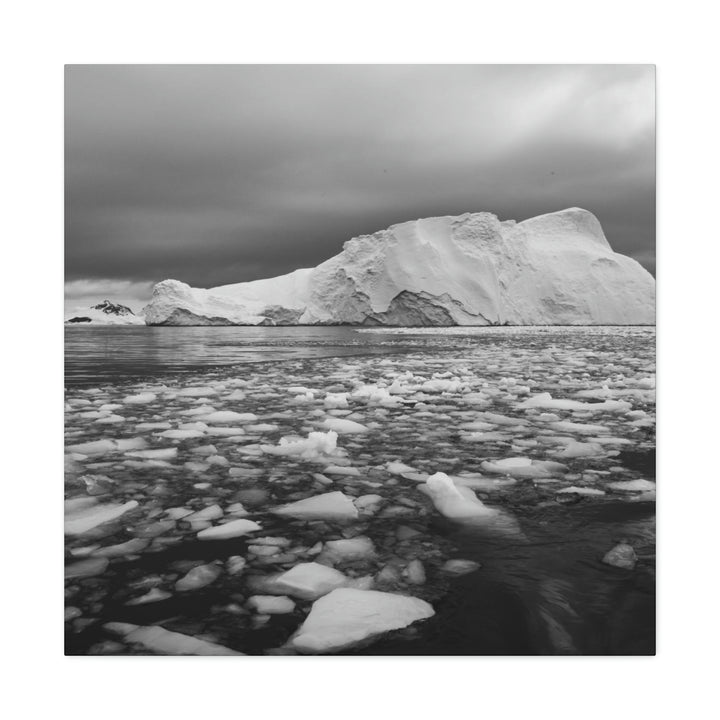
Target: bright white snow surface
(471, 269)
(346, 617)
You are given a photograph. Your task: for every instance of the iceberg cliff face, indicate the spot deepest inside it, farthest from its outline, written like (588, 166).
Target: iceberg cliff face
(473, 269)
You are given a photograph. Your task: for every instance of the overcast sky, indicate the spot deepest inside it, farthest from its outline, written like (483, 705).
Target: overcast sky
(219, 174)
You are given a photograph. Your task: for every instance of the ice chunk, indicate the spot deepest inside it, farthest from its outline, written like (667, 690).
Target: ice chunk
(131, 547)
(309, 581)
(581, 490)
(545, 400)
(638, 485)
(153, 595)
(198, 577)
(181, 434)
(81, 519)
(357, 548)
(454, 502)
(621, 556)
(398, 468)
(460, 567)
(271, 604)
(329, 506)
(211, 512)
(234, 528)
(224, 417)
(580, 449)
(86, 568)
(196, 392)
(140, 399)
(159, 640)
(341, 470)
(348, 616)
(102, 447)
(573, 427)
(344, 427)
(336, 400)
(315, 447)
(155, 454)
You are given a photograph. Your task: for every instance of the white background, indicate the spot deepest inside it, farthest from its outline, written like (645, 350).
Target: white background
(39, 38)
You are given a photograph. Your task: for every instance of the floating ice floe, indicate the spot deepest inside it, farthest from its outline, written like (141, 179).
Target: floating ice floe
(523, 467)
(140, 399)
(195, 392)
(80, 519)
(580, 449)
(167, 642)
(271, 604)
(454, 502)
(346, 617)
(335, 400)
(639, 485)
(153, 595)
(581, 490)
(621, 556)
(344, 427)
(103, 447)
(131, 547)
(198, 577)
(309, 581)
(155, 454)
(545, 400)
(86, 568)
(357, 548)
(234, 528)
(224, 417)
(181, 434)
(328, 506)
(460, 567)
(317, 446)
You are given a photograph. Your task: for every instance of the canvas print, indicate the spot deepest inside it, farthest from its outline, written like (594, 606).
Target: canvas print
(359, 360)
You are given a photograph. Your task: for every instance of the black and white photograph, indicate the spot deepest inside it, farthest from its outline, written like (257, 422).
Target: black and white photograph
(359, 360)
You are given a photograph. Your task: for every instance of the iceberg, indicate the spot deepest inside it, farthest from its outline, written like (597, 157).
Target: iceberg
(471, 269)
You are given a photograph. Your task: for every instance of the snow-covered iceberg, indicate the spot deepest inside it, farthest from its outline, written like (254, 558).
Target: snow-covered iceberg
(472, 269)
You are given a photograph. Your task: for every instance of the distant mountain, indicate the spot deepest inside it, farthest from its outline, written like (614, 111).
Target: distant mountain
(473, 269)
(107, 313)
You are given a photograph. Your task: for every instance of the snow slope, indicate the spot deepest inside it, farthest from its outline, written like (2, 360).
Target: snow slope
(473, 269)
(105, 313)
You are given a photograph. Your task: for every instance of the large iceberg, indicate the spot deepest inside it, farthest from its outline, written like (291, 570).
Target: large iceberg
(472, 269)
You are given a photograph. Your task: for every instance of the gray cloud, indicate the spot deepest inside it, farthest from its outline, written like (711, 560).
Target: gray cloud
(218, 174)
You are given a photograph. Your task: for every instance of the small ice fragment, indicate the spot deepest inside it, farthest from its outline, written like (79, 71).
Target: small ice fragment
(460, 567)
(198, 578)
(344, 427)
(309, 581)
(234, 528)
(639, 485)
(155, 454)
(333, 505)
(621, 556)
(357, 548)
(140, 399)
(86, 568)
(225, 417)
(581, 490)
(271, 604)
(153, 595)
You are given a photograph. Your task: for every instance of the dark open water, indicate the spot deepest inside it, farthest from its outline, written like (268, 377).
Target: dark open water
(541, 591)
